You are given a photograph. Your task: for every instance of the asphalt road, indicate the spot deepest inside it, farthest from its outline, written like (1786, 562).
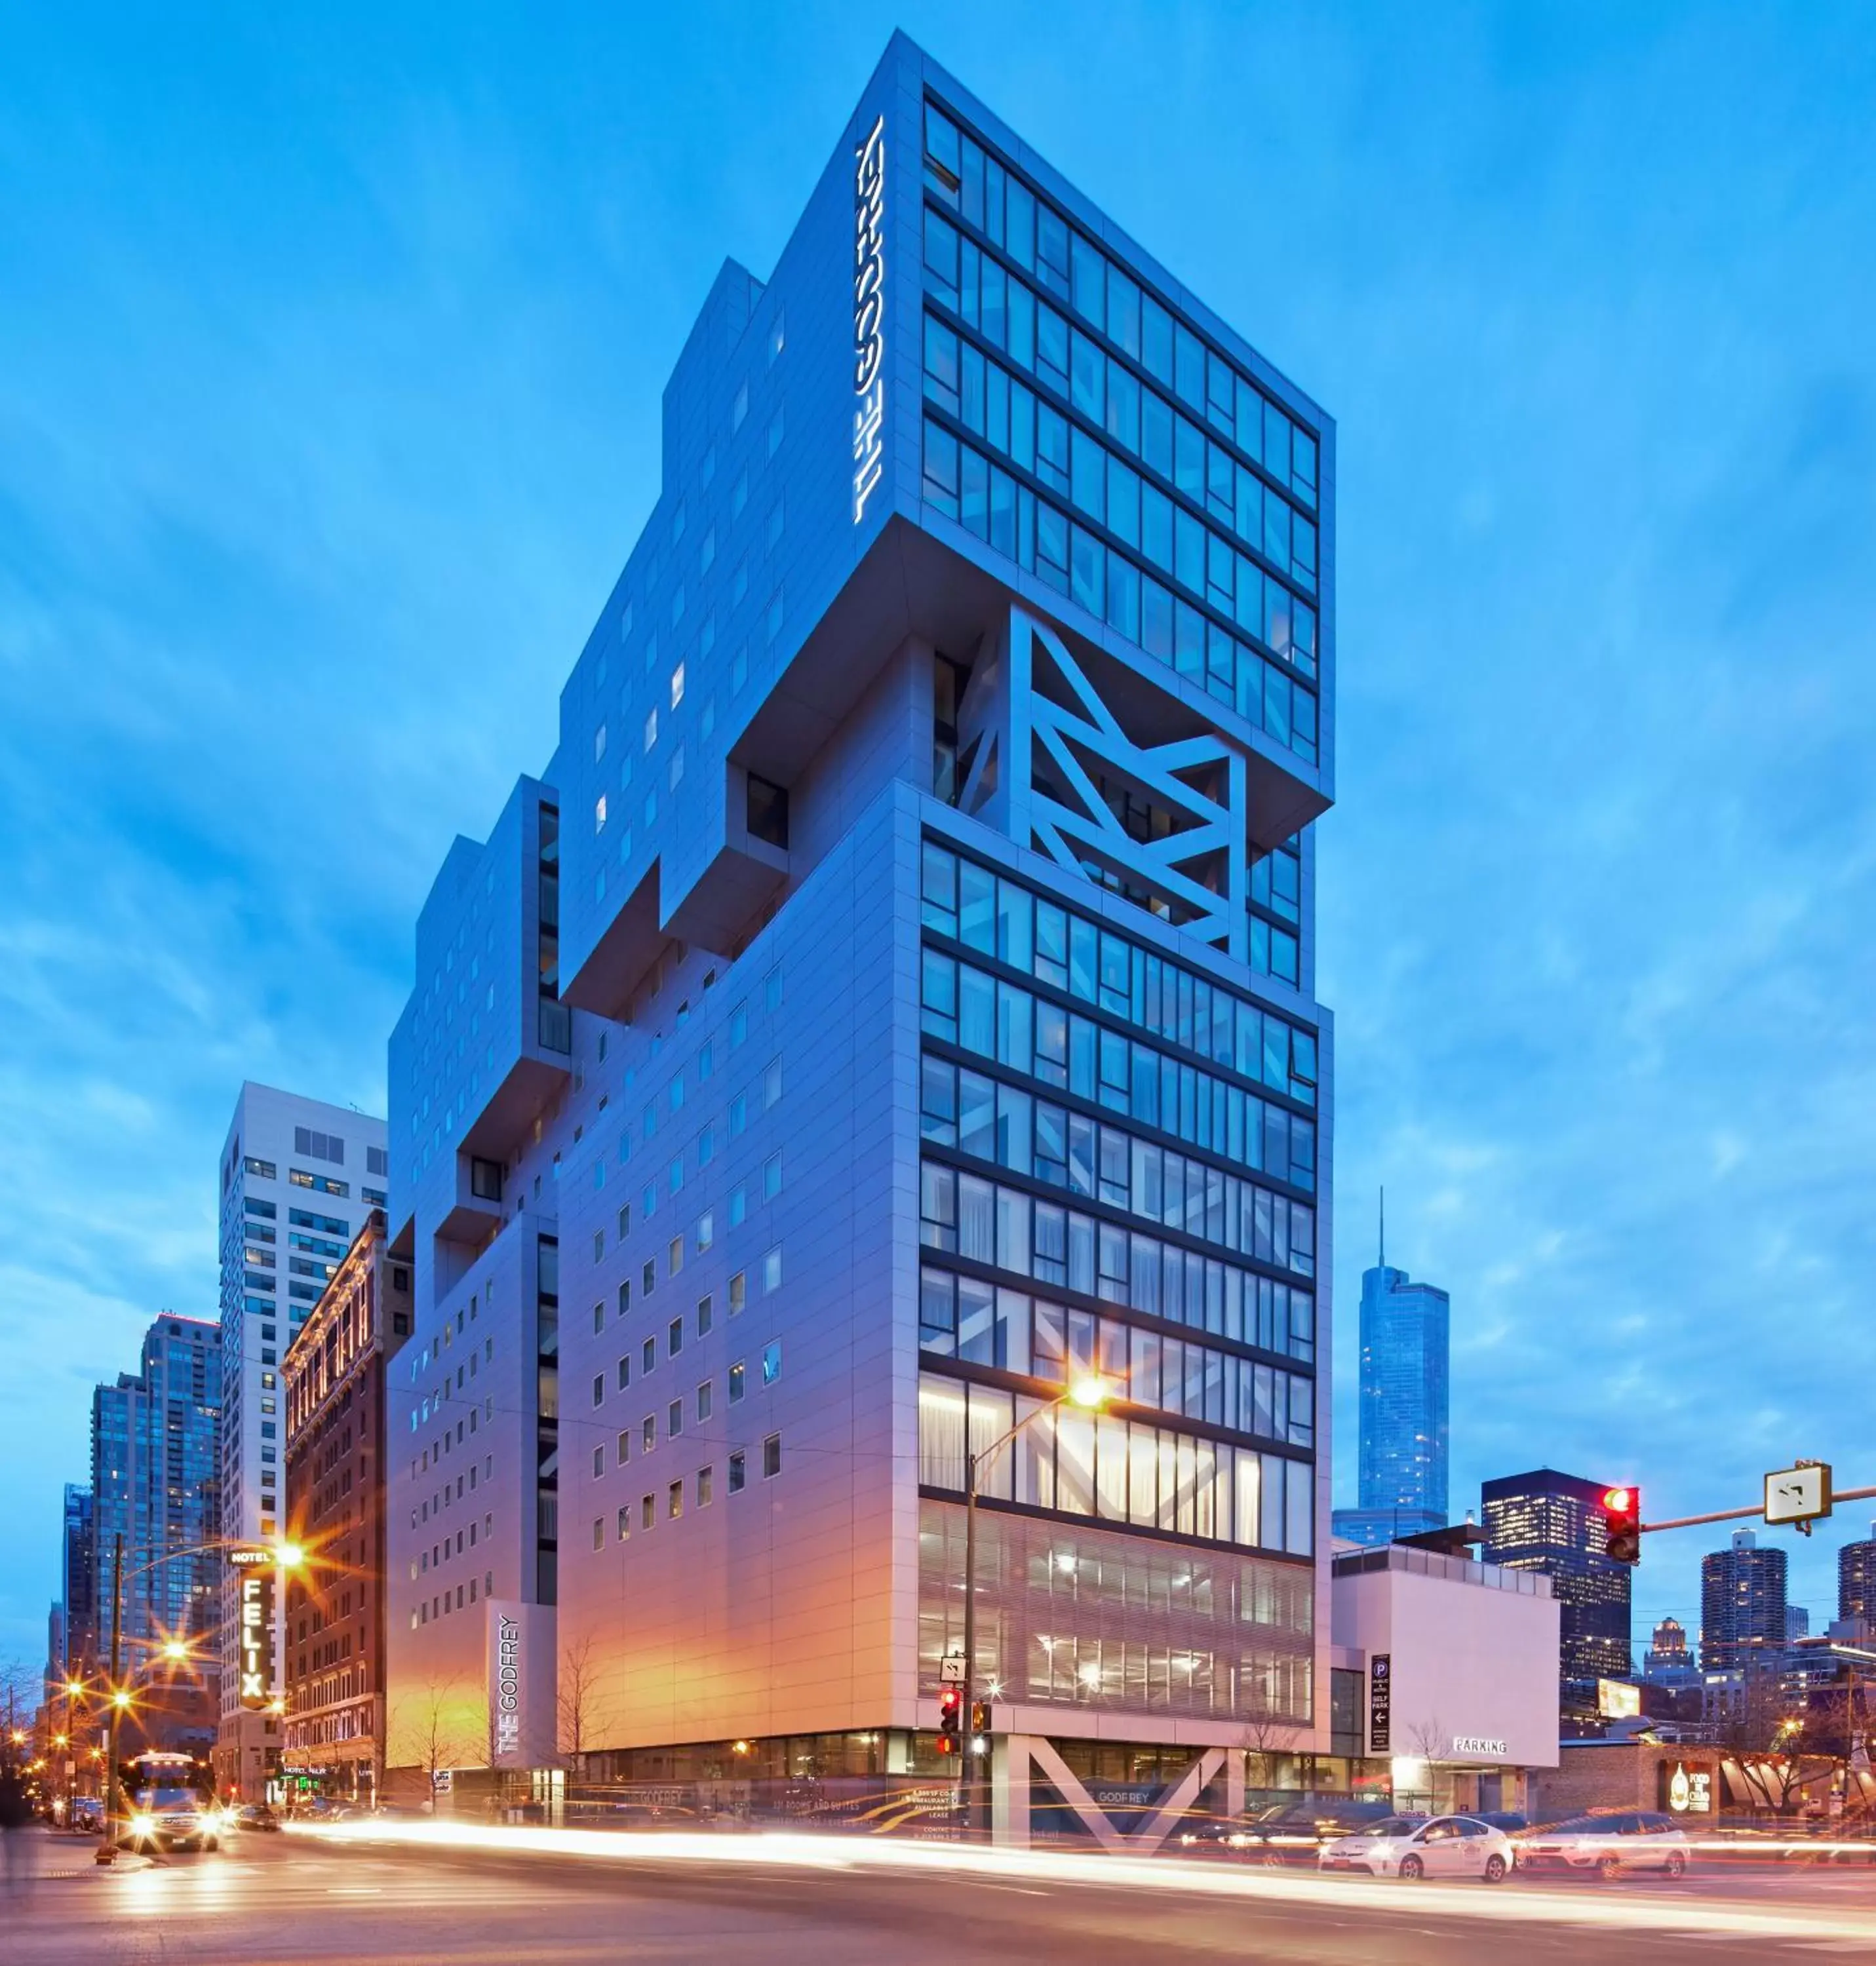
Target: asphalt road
(279, 1899)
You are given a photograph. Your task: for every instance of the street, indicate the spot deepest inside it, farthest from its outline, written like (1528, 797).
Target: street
(295, 1897)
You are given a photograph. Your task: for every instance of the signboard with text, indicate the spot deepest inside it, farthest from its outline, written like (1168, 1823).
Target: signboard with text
(522, 1717)
(1381, 1703)
(254, 1614)
(1689, 1788)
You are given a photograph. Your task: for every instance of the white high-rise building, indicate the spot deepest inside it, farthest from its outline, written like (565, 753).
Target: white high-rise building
(299, 1179)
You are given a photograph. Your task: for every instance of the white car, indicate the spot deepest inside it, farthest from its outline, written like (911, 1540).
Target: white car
(1624, 1840)
(1419, 1846)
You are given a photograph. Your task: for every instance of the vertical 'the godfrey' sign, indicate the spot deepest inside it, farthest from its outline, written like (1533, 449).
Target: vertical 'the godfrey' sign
(869, 312)
(508, 1701)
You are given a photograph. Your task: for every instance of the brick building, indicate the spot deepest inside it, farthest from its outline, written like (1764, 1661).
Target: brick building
(334, 1373)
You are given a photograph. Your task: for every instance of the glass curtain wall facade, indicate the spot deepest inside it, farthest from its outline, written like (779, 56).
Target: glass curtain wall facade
(153, 1483)
(1404, 1410)
(932, 1019)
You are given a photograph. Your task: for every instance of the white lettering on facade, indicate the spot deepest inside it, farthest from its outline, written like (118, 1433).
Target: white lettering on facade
(869, 309)
(508, 1685)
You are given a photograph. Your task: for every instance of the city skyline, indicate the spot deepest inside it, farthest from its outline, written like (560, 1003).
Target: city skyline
(127, 1152)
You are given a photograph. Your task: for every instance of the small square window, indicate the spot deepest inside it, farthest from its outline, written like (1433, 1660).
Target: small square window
(625, 1372)
(599, 1459)
(648, 1278)
(736, 1380)
(736, 1473)
(599, 1389)
(674, 1337)
(625, 1522)
(674, 1419)
(648, 1434)
(771, 1362)
(623, 1448)
(625, 1297)
(599, 1324)
(772, 1177)
(706, 1315)
(649, 1358)
(705, 1483)
(771, 1269)
(739, 1293)
(674, 1256)
(771, 1456)
(674, 1500)
(677, 680)
(599, 1532)
(647, 1511)
(706, 1401)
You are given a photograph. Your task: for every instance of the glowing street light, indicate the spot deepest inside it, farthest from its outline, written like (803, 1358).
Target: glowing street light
(1090, 1393)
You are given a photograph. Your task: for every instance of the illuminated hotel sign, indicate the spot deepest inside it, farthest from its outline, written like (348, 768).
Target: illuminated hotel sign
(507, 1685)
(255, 1614)
(869, 313)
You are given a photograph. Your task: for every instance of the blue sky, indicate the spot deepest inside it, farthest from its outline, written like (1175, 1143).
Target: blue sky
(330, 363)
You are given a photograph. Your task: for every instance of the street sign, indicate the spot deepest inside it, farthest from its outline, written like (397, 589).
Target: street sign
(1800, 1495)
(1380, 1704)
(951, 1669)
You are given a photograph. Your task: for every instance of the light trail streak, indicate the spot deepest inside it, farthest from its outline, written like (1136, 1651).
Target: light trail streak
(1512, 1903)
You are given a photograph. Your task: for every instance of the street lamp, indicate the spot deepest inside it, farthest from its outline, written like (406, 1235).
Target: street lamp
(1090, 1394)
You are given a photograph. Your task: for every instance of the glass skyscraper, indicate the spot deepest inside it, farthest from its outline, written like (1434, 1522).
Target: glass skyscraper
(1403, 1427)
(893, 1002)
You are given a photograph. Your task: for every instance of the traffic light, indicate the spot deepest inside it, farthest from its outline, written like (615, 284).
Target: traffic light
(980, 1717)
(1622, 1518)
(950, 1717)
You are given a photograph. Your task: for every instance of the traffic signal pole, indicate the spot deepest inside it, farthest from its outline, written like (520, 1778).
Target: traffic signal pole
(1740, 1515)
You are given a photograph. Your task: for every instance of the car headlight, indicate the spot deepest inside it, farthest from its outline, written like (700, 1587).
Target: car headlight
(142, 1825)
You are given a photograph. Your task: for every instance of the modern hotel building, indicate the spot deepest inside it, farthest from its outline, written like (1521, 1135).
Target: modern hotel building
(893, 1001)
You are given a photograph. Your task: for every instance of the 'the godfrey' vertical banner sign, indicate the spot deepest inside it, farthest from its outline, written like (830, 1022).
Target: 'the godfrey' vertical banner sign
(869, 316)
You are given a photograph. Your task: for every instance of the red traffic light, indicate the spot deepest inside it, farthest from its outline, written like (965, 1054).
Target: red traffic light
(1622, 1524)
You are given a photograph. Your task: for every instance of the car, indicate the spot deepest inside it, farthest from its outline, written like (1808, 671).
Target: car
(1608, 1845)
(173, 1818)
(85, 1813)
(1289, 1832)
(253, 1816)
(1422, 1846)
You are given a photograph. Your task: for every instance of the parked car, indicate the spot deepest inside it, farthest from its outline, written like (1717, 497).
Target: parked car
(253, 1816)
(1419, 1846)
(85, 1813)
(1623, 1840)
(1289, 1831)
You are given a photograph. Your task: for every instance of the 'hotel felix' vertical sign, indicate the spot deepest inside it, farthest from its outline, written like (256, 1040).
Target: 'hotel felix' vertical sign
(869, 313)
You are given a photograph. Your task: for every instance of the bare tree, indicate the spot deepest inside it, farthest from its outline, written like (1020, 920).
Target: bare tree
(1263, 1734)
(582, 1710)
(428, 1725)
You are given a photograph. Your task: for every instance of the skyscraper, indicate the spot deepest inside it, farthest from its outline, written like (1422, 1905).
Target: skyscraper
(893, 1002)
(1856, 1579)
(1553, 1522)
(1742, 1603)
(154, 1485)
(299, 1179)
(1405, 1346)
(79, 1578)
